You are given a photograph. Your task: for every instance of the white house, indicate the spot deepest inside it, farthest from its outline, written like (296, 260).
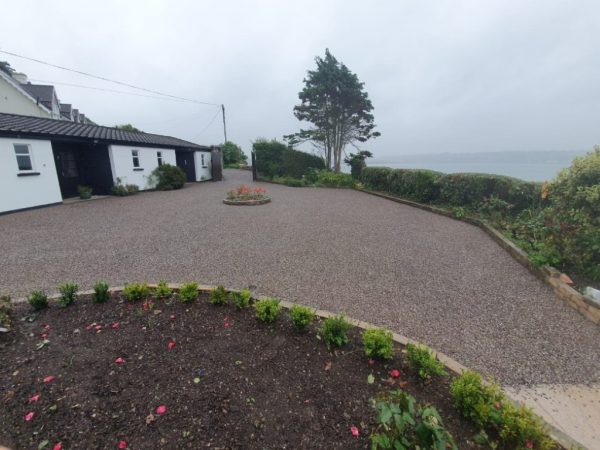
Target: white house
(42, 161)
(16, 100)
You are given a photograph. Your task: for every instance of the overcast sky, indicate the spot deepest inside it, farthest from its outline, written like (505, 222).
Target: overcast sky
(444, 76)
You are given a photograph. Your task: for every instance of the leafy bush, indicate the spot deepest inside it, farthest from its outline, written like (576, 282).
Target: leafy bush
(122, 190)
(302, 316)
(5, 312)
(84, 192)
(334, 331)
(332, 179)
(377, 178)
(233, 155)
(167, 177)
(403, 424)
(378, 343)
(289, 181)
(162, 290)
(101, 293)
(68, 291)
(38, 300)
(414, 184)
(241, 299)
(218, 296)
(276, 159)
(188, 292)
(268, 309)
(522, 429)
(136, 291)
(424, 360)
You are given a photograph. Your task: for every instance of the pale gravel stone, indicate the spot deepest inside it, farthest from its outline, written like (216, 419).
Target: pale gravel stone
(425, 276)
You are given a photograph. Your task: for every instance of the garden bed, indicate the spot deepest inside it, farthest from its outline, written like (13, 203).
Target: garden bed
(168, 374)
(247, 202)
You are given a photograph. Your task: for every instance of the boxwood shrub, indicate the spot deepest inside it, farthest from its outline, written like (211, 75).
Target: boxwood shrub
(167, 177)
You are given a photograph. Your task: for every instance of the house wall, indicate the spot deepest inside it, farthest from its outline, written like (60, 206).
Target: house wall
(13, 101)
(19, 192)
(121, 163)
(203, 171)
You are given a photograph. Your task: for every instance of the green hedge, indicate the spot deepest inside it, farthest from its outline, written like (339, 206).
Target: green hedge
(275, 159)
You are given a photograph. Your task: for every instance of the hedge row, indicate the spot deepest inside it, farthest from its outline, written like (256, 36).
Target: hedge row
(458, 189)
(275, 159)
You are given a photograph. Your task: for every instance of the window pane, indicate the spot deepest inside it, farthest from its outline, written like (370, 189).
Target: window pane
(136, 161)
(24, 162)
(21, 149)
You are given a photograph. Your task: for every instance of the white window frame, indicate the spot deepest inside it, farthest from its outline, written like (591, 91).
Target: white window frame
(159, 158)
(135, 157)
(29, 153)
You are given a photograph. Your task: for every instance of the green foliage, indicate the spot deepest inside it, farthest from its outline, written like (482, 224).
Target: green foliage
(357, 162)
(402, 424)
(241, 299)
(162, 290)
(289, 181)
(5, 312)
(233, 154)
(378, 343)
(84, 192)
(268, 309)
(188, 292)
(332, 179)
(128, 127)
(276, 159)
(218, 296)
(136, 291)
(415, 184)
(38, 300)
(424, 360)
(522, 429)
(167, 177)
(101, 293)
(302, 316)
(334, 331)
(122, 190)
(377, 178)
(68, 292)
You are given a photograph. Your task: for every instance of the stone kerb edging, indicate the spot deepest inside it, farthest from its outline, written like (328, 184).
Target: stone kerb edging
(247, 202)
(451, 364)
(583, 304)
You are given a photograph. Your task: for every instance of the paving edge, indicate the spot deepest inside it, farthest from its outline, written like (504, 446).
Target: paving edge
(583, 304)
(451, 364)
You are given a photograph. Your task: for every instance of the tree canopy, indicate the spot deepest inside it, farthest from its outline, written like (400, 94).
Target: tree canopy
(233, 154)
(128, 127)
(335, 103)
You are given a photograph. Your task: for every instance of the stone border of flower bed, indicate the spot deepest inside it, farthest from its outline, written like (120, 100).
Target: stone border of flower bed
(451, 364)
(586, 306)
(247, 202)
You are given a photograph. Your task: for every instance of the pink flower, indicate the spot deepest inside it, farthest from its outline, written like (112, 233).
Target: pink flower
(98, 327)
(529, 444)
(90, 326)
(57, 446)
(226, 323)
(46, 326)
(498, 405)
(371, 362)
(44, 335)
(122, 445)
(115, 325)
(34, 398)
(161, 409)
(354, 431)
(49, 379)
(171, 344)
(172, 317)
(395, 373)
(29, 416)
(119, 360)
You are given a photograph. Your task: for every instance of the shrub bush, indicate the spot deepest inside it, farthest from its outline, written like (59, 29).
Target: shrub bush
(378, 343)
(331, 179)
(84, 192)
(424, 360)
(188, 292)
(38, 300)
(167, 177)
(136, 291)
(241, 299)
(289, 181)
(218, 296)
(522, 429)
(68, 291)
(162, 290)
(276, 159)
(268, 309)
(334, 331)
(377, 178)
(101, 293)
(302, 316)
(414, 184)
(122, 190)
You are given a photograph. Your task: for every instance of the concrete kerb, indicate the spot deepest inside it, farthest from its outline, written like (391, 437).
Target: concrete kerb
(451, 364)
(583, 304)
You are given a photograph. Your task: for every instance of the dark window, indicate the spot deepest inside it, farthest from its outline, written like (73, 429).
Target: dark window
(202, 159)
(23, 157)
(68, 165)
(136, 158)
(159, 158)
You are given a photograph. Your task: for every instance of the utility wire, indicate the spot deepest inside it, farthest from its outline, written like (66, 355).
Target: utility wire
(107, 79)
(206, 127)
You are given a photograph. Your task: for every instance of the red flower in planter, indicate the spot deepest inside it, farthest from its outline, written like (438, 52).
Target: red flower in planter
(122, 445)
(98, 327)
(57, 446)
(354, 431)
(115, 325)
(395, 373)
(29, 416)
(529, 444)
(34, 398)
(119, 360)
(371, 362)
(161, 409)
(44, 335)
(46, 326)
(173, 317)
(49, 379)
(226, 323)
(171, 344)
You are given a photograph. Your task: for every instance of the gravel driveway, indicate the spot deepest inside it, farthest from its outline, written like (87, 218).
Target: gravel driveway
(428, 277)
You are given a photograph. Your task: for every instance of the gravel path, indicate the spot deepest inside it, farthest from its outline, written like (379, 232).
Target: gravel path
(428, 277)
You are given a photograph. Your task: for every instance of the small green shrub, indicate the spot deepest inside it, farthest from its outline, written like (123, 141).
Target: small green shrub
(68, 292)
(414, 184)
(268, 309)
(218, 296)
(378, 343)
(522, 429)
(188, 292)
(167, 177)
(241, 299)
(289, 181)
(334, 331)
(332, 179)
(302, 316)
(5, 312)
(136, 291)
(38, 300)
(377, 178)
(481, 403)
(85, 192)
(101, 293)
(123, 190)
(424, 360)
(162, 290)
(403, 424)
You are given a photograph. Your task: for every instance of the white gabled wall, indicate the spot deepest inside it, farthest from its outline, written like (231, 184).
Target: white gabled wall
(121, 163)
(27, 191)
(203, 171)
(14, 100)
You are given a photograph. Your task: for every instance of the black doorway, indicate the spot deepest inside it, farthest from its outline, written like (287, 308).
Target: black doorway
(185, 161)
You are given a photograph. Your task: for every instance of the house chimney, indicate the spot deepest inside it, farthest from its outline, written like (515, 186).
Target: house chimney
(20, 77)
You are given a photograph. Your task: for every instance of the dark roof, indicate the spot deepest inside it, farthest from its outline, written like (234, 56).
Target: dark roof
(44, 93)
(17, 125)
(65, 108)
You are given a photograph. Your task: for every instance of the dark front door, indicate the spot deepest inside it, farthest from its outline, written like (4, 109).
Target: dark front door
(185, 161)
(68, 172)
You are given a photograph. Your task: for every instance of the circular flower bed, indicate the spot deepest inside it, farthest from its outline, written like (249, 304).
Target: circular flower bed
(244, 195)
